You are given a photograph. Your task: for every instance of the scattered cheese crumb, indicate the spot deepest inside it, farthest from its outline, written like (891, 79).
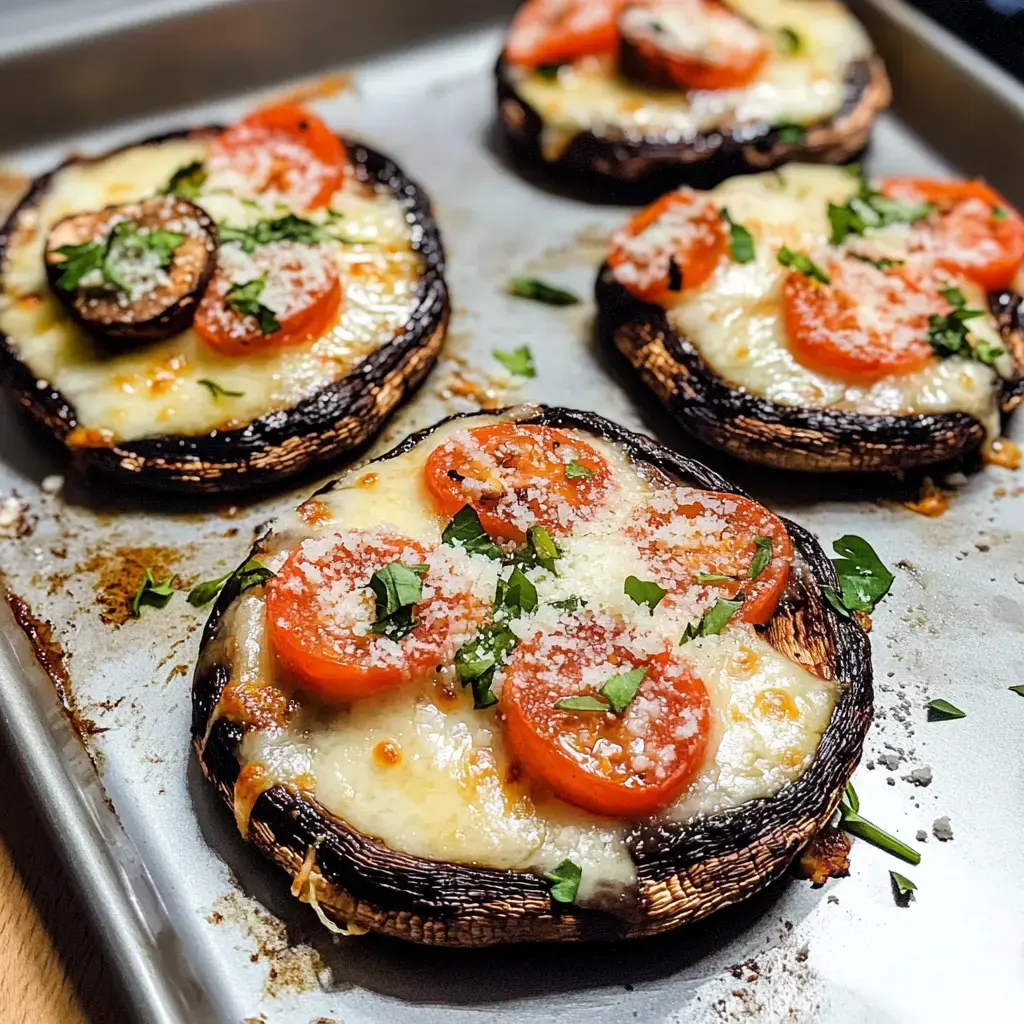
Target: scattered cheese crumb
(942, 829)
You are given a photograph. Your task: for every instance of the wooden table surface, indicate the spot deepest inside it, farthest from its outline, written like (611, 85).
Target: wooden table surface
(52, 967)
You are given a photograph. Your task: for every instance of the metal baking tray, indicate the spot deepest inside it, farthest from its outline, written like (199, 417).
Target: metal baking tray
(200, 928)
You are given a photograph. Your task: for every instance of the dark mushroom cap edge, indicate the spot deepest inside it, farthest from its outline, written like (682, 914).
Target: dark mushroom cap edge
(790, 437)
(685, 871)
(336, 419)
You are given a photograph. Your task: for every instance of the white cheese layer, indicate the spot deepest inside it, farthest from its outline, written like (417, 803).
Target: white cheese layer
(803, 87)
(452, 795)
(735, 318)
(153, 389)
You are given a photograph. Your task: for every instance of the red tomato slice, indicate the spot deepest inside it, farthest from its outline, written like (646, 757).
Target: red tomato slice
(557, 31)
(283, 153)
(622, 766)
(516, 476)
(694, 44)
(674, 244)
(301, 280)
(866, 324)
(974, 231)
(686, 532)
(320, 608)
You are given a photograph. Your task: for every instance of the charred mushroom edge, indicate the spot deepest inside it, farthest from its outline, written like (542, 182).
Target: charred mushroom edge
(685, 871)
(336, 419)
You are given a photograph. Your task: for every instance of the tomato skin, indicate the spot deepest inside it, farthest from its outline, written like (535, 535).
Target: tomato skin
(588, 759)
(695, 244)
(679, 558)
(325, 647)
(558, 31)
(515, 475)
(826, 327)
(284, 152)
(966, 236)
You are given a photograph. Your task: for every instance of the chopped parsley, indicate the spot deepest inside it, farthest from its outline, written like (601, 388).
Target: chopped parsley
(540, 550)
(803, 263)
(151, 593)
(903, 888)
(251, 574)
(714, 620)
(882, 263)
(618, 693)
(79, 261)
(643, 592)
(851, 821)
(519, 361)
(793, 134)
(949, 334)
(465, 530)
(577, 471)
(565, 881)
(870, 209)
(569, 604)
(186, 182)
(762, 557)
(940, 709)
(279, 229)
(397, 588)
(863, 578)
(741, 241)
(244, 299)
(217, 390)
(125, 244)
(539, 291)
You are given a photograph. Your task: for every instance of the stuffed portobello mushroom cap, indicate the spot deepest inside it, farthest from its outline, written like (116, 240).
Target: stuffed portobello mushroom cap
(346, 408)
(683, 871)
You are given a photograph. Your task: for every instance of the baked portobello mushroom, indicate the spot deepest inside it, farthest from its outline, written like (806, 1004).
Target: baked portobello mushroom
(216, 309)
(693, 91)
(505, 683)
(807, 319)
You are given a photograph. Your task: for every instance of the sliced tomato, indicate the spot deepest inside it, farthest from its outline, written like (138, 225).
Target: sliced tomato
(674, 244)
(283, 153)
(302, 282)
(693, 44)
(558, 31)
(974, 230)
(320, 609)
(624, 766)
(868, 323)
(686, 535)
(517, 475)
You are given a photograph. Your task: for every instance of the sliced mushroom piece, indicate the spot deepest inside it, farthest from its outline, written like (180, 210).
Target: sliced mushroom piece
(134, 272)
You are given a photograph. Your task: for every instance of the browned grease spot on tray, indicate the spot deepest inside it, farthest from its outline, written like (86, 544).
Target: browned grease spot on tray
(52, 657)
(121, 574)
(932, 502)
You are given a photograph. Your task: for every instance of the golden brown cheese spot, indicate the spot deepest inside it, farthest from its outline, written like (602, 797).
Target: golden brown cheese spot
(314, 513)
(253, 706)
(1001, 451)
(90, 437)
(744, 663)
(776, 704)
(446, 692)
(387, 753)
(932, 503)
(367, 480)
(252, 782)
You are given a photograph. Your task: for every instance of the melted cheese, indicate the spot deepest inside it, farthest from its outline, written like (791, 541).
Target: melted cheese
(803, 87)
(446, 789)
(735, 319)
(153, 389)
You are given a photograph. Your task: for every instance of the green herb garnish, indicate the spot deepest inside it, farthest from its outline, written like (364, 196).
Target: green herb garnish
(942, 709)
(618, 693)
(244, 299)
(79, 261)
(999, 214)
(280, 229)
(851, 821)
(465, 530)
(577, 471)
(950, 336)
(565, 881)
(714, 620)
(186, 182)
(569, 604)
(397, 588)
(791, 133)
(216, 390)
(870, 209)
(251, 574)
(539, 291)
(789, 41)
(1018, 689)
(519, 361)
(803, 263)
(643, 592)
(762, 557)
(151, 593)
(863, 578)
(540, 550)
(741, 241)
(125, 244)
(883, 263)
(903, 887)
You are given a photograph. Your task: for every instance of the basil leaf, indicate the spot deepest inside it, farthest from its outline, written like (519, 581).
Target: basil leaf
(713, 577)
(216, 390)
(1018, 689)
(833, 599)
(863, 579)
(643, 592)
(794, 134)
(714, 620)
(870, 209)
(762, 556)
(244, 299)
(577, 471)
(950, 336)
(519, 361)
(397, 588)
(569, 604)
(251, 574)
(465, 529)
(741, 241)
(281, 229)
(533, 288)
(903, 887)
(516, 595)
(942, 709)
(622, 688)
(582, 704)
(565, 881)
(883, 263)
(851, 821)
(79, 261)
(127, 245)
(803, 263)
(542, 549)
(151, 593)
(999, 214)
(186, 182)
